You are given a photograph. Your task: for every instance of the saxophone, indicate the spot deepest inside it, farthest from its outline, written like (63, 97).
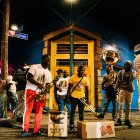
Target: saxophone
(110, 81)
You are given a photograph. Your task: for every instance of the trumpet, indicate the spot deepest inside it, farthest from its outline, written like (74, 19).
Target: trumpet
(88, 106)
(45, 89)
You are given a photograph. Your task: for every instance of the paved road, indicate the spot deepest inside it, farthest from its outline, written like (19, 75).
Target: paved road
(122, 133)
(13, 133)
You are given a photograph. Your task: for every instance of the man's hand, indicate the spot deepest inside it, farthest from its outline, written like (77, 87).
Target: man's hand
(60, 90)
(88, 102)
(40, 86)
(116, 92)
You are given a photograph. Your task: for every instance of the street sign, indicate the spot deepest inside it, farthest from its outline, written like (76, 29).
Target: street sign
(18, 34)
(20, 29)
(21, 36)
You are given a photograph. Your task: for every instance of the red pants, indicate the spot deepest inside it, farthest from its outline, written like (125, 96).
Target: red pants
(29, 94)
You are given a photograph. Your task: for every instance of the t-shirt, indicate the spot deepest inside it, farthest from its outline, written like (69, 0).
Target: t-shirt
(125, 82)
(79, 91)
(40, 74)
(63, 84)
(12, 83)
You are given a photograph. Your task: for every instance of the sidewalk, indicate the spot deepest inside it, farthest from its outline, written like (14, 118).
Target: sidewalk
(135, 120)
(10, 129)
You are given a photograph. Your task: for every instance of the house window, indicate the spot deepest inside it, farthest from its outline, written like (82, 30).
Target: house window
(66, 62)
(78, 48)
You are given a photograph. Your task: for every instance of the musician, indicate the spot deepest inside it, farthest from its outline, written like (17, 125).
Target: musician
(38, 76)
(59, 74)
(2, 97)
(109, 80)
(125, 86)
(80, 85)
(20, 77)
(62, 85)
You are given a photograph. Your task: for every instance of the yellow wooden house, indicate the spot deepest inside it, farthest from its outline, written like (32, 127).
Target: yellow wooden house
(86, 51)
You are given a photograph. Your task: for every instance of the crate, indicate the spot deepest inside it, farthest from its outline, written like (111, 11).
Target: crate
(95, 129)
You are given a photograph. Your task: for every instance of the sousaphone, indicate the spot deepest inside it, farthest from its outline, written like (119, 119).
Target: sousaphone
(110, 57)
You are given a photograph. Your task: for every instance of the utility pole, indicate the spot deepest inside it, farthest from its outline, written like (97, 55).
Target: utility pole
(4, 48)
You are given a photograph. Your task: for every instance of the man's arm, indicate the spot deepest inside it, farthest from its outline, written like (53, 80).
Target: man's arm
(132, 75)
(69, 92)
(118, 81)
(87, 94)
(104, 81)
(58, 85)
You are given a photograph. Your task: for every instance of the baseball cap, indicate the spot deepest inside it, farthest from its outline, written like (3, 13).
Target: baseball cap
(59, 71)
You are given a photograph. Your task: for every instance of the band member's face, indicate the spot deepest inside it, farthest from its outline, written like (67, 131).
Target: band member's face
(66, 74)
(45, 61)
(108, 69)
(127, 67)
(61, 74)
(81, 72)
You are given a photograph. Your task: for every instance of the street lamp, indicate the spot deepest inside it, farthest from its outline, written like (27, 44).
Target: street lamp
(71, 39)
(14, 27)
(71, 1)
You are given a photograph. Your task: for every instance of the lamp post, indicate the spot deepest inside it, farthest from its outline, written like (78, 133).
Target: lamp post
(71, 52)
(71, 39)
(4, 48)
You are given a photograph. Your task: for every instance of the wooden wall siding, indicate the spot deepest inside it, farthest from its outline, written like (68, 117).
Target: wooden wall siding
(98, 78)
(67, 38)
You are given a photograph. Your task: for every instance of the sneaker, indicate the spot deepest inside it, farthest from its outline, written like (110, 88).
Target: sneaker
(81, 119)
(114, 119)
(71, 130)
(39, 133)
(24, 134)
(128, 123)
(100, 116)
(119, 122)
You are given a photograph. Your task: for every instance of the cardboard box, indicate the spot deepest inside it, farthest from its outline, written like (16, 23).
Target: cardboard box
(57, 123)
(95, 129)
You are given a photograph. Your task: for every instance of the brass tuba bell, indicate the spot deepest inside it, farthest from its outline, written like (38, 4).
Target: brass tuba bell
(110, 57)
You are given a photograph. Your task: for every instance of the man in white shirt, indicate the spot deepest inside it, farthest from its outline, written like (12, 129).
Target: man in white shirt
(38, 76)
(62, 85)
(11, 93)
(2, 98)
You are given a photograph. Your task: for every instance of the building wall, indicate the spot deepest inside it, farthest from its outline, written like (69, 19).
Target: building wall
(120, 44)
(31, 51)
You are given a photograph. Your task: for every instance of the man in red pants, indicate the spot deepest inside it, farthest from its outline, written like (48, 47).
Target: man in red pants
(38, 76)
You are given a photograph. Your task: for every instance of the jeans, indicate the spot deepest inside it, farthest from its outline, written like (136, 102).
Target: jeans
(62, 105)
(2, 99)
(110, 97)
(125, 96)
(74, 103)
(12, 100)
